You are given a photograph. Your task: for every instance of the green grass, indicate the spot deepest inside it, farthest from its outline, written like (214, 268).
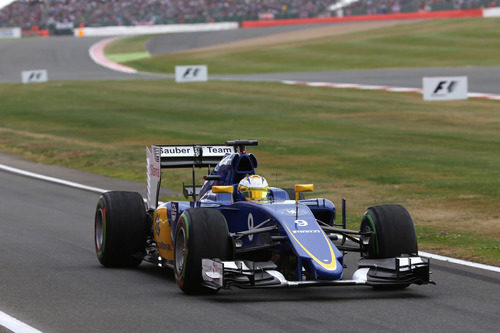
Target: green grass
(452, 42)
(459, 244)
(440, 160)
(124, 57)
(128, 49)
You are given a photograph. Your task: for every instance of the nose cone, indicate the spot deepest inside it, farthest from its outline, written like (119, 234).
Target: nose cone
(332, 271)
(314, 248)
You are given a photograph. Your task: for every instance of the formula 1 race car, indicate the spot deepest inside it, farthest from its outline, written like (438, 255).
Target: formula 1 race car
(238, 231)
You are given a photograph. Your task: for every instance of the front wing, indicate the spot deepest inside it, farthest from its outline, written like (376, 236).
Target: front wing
(400, 271)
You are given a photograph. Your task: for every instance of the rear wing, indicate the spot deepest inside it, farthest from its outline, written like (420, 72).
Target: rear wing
(180, 156)
(193, 155)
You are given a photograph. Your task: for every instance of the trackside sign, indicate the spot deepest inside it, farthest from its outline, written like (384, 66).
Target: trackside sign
(445, 88)
(10, 32)
(194, 73)
(38, 75)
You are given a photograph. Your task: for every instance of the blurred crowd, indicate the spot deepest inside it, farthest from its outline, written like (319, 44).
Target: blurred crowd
(43, 13)
(367, 7)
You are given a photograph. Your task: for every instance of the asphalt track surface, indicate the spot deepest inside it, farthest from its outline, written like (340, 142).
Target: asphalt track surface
(51, 279)
(64, 58)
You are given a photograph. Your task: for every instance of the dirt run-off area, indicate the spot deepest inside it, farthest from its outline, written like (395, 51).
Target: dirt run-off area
(308, 32)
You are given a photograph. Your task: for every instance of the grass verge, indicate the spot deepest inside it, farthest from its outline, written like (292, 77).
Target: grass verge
(128, 49)
(440, 160)
(433, 43)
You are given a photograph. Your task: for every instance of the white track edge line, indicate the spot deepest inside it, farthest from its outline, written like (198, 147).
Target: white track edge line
(51, 179)
(459, 261)
(15, 325)
(99, 190)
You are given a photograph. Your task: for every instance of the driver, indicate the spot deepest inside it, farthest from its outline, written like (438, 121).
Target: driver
(253, 188)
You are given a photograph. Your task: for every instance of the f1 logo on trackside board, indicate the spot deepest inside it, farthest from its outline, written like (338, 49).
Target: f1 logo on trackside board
(445, 88)
(194, 73)
(38, 75)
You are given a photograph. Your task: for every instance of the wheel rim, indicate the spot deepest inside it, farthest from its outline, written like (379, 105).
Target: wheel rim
(180, 250)
(99, 230)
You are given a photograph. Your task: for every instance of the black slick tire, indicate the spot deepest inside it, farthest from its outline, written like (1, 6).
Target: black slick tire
(120, 229)
(393, 232)
(200, 233)
(393, 236)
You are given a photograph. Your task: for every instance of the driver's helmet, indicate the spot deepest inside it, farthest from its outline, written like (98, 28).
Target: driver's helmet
(254, 188)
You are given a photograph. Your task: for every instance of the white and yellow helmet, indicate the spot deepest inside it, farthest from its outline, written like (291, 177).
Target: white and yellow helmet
(254, 188)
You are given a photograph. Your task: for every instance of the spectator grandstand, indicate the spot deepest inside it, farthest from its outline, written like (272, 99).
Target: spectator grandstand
(367, 7)
(44, 14)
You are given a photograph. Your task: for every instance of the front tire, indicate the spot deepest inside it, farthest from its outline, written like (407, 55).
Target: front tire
(393, 232)
(393, 235)
(120, 229)
(200, 233)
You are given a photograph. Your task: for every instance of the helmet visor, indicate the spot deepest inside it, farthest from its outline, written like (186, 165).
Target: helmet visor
(255, 193)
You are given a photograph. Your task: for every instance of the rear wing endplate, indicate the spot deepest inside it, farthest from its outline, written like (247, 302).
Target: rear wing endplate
(183, 156)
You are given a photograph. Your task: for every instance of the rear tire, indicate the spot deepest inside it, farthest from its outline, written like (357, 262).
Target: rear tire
(394, 232)
(200, 233)
(120, 229)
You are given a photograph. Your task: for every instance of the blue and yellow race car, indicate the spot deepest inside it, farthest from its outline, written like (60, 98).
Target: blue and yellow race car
(238, 231)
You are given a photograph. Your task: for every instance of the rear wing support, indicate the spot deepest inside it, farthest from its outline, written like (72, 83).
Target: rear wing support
(184, 156)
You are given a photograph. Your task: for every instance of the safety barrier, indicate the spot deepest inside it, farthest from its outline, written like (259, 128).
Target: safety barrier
(194, 27)
(377, 17)
(36, 32)
(153, 29)
(491, 12)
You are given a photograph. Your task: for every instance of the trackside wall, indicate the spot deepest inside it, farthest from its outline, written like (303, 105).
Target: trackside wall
(490, 12)
(173, 28)
(153, 29)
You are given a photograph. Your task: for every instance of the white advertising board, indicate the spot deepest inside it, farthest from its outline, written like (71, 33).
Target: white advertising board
(36, 75)
(194, 73)
(154, 29)
(491, 12)
(10, 32)
(445, 88)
